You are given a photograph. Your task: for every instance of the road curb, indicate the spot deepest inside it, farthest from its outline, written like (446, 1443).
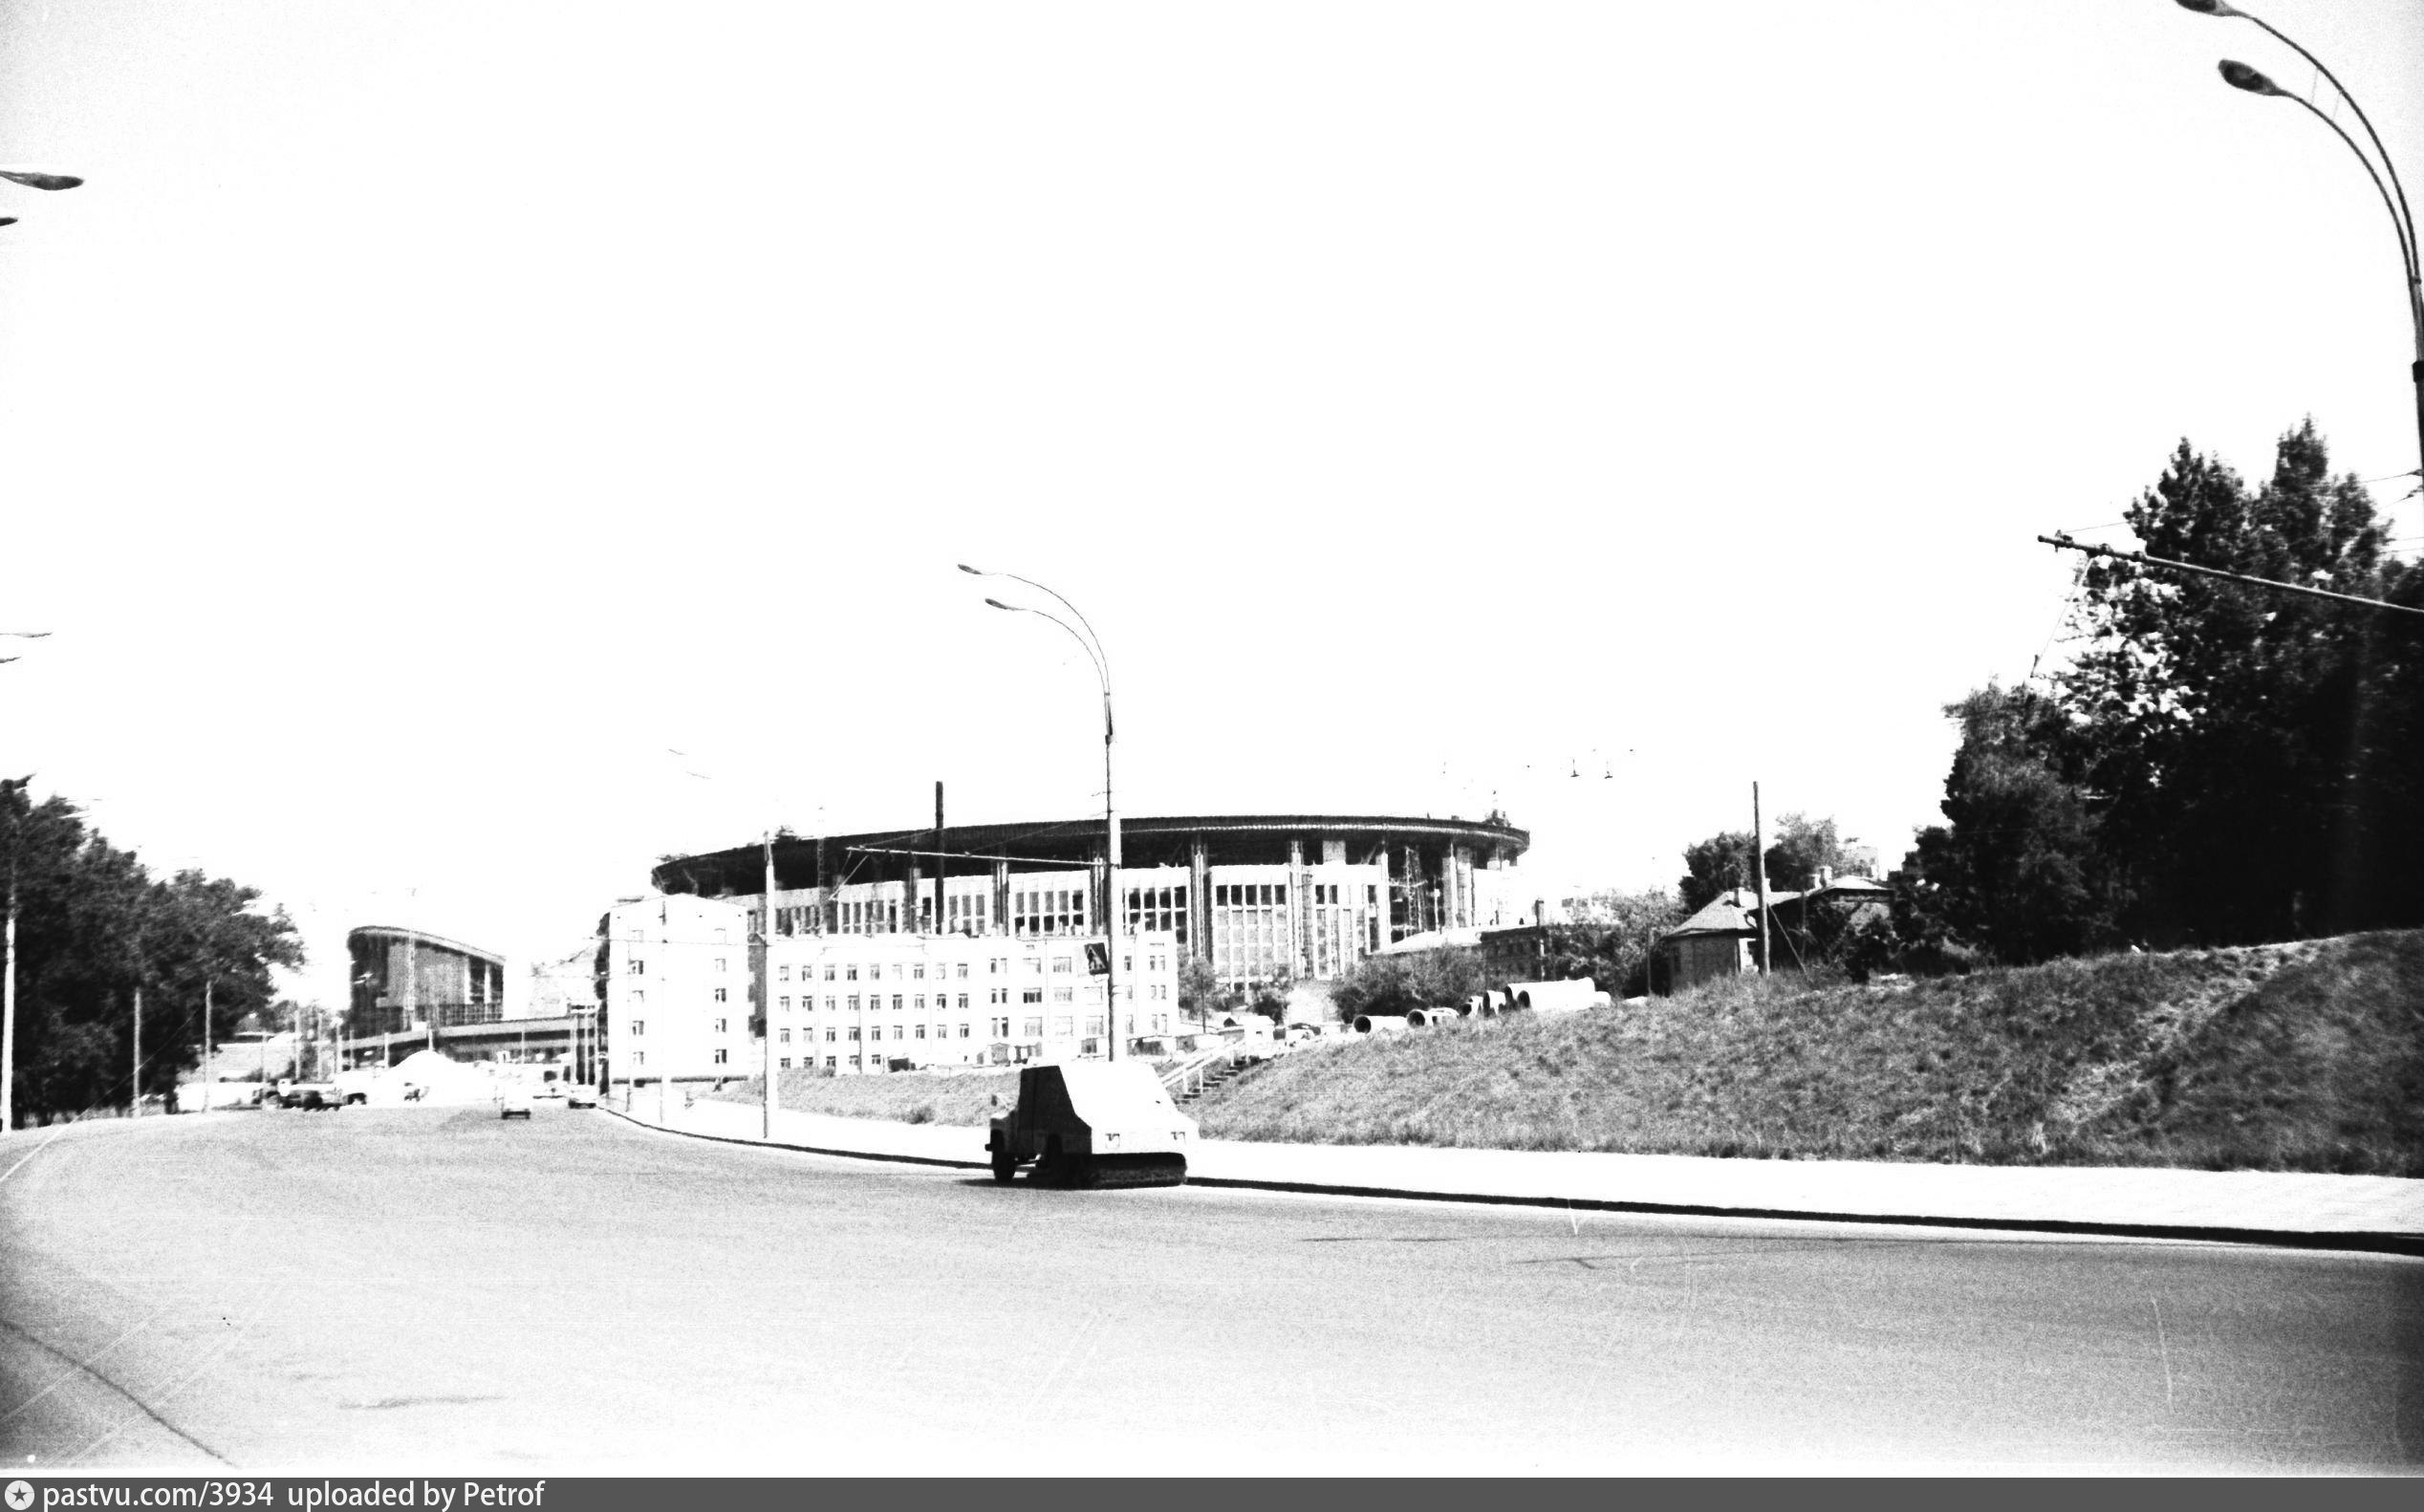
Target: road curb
(804, 1148)
(2357, 1241)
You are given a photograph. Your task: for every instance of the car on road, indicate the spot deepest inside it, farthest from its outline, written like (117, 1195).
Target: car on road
(513, 1102)
(547, 1089)
(581, 1098)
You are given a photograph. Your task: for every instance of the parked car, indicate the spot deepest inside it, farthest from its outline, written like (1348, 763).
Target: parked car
(513, 1102)
(550, 1088)
(581, 1096)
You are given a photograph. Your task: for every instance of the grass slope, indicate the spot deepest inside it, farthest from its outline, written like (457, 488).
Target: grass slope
(2306, 1056)
(944, 1098)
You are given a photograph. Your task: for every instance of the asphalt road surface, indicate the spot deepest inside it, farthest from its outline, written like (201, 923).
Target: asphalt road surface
(438, 1290)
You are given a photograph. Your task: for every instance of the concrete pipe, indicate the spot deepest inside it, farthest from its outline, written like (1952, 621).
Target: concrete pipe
(1430, 1017)
(1555, 997)
(1382, 1024)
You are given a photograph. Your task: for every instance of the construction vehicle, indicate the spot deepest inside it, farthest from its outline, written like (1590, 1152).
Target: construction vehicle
(1093, 1124)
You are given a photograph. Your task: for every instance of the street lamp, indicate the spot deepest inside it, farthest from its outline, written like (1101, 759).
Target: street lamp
(1113, 911)
(37, 179)
(2238, 75)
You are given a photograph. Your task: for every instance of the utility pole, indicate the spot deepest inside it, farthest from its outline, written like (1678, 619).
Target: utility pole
(1758, 870)
(765, 983)
(209, 1071)
(135, 1100)
(9, 1010)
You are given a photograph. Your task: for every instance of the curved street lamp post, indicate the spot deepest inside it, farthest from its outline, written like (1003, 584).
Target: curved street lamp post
(1091, 644)
(2238, 75)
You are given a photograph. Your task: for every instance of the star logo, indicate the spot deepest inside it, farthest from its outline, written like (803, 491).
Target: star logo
(20, 1496)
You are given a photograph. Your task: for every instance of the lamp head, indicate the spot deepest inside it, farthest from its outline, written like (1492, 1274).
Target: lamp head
(973, 572)
(998, 604)
(7, 220)
(32, 178)
(2238, 75)
(2209, 8)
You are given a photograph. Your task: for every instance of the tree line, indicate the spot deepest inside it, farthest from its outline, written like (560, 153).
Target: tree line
(94, 925)
(2221, 764)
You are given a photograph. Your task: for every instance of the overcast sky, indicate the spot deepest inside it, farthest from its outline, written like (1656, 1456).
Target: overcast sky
(432, 416)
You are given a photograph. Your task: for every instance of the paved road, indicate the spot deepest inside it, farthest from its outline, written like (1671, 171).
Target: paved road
(432, 1289)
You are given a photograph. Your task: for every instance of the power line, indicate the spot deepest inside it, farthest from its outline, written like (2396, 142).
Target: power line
(2062, 541)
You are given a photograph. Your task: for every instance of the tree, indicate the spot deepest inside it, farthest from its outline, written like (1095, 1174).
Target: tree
(93, 926)
(1199, 990)
(1421, 979)
(1613, 938)
(2251, 752)
(1713, 867)
(1722, 862)
(2017, 870)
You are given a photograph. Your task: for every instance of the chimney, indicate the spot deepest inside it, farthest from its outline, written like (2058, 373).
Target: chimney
(1540, 912)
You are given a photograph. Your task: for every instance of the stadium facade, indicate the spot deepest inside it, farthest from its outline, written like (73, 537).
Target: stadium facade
(1261, 897)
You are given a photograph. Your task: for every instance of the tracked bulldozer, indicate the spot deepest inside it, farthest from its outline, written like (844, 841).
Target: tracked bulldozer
(1092, 1124)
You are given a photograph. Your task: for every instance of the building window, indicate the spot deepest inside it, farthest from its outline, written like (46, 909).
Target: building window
(719, 1057)
(828, 1062)
(719, 994)
(964, 1031)
(636, 967)
(782, 973)
(829, 972)
(639, 1028)
(718, 960)
(638, 996)
(896, 1002)
(1094, 1025)
(964, 1003)
(1060, 965)
(640, 1057)
(830, 1036)
(785, 1040)
(917, 972)
(962, 972)
(1031, 995)
(919, 1005)
(786, 1004)
(1060, 1026)
(921, 1034)
(786, 1062)
(720, 1026)
(1035, 1029)
(849, 973)
(1064, 994)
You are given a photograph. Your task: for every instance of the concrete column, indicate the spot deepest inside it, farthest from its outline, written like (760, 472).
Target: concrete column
(1199, 902)
(1300, 916)
(1001, 897)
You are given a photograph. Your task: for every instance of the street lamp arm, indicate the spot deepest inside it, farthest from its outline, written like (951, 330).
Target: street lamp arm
(2405, 216)
(1102, 660)
(2406, 230)
(1102, 674)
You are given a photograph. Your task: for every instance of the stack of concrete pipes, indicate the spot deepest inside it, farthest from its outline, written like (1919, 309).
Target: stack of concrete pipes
(1556, 997)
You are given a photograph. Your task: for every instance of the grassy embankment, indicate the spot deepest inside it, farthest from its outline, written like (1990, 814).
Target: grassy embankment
(2306, 1056)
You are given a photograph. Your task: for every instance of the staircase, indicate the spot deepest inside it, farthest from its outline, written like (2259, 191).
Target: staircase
(1190, 1079)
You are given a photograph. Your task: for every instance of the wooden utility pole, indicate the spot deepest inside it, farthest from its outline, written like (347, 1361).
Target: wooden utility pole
(135, 1099)
(1758, 870)
(765, 984)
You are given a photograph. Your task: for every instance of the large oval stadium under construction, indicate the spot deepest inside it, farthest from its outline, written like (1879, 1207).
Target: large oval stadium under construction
(1261, 897)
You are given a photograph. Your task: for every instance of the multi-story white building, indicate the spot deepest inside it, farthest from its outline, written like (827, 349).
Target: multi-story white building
(676, 988)
(861, 1002)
